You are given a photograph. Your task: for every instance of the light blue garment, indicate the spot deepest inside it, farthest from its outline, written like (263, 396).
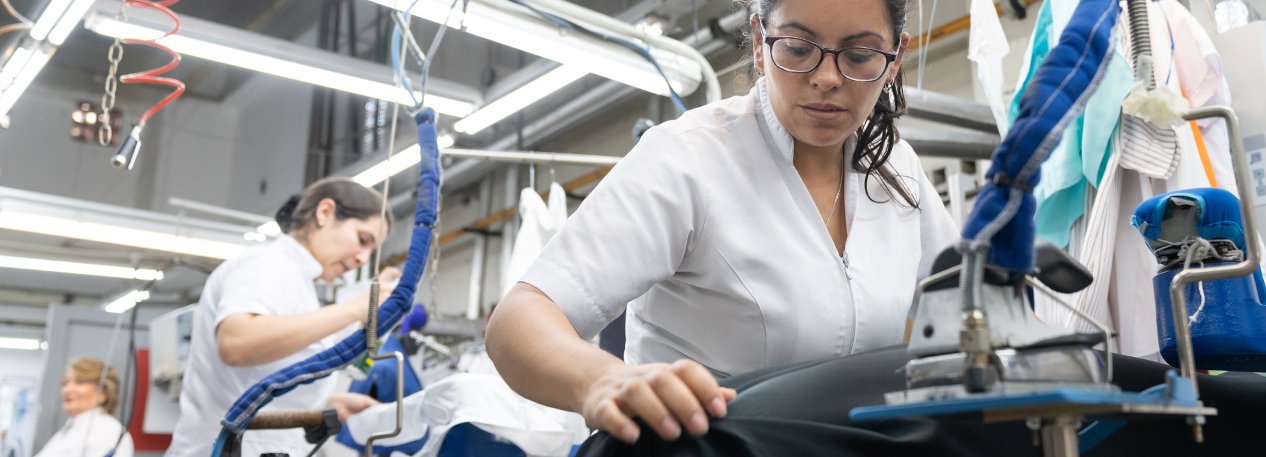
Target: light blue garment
(1039, 47)
(1082, 155)
(1104, 111)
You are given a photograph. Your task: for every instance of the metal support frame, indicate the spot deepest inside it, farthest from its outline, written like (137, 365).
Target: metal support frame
(369, 443)
(1252, 258)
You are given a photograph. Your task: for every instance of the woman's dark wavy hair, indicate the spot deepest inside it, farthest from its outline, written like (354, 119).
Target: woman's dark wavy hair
(878, 134)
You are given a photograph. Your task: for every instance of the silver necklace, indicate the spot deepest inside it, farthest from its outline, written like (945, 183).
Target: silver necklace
(835, 202)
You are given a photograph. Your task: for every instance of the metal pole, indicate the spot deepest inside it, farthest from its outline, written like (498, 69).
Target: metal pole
(473, 304)
(510, 226)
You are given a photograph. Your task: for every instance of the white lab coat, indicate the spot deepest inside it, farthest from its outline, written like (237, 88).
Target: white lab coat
(272, 279)
(708, 230)
(91, 433)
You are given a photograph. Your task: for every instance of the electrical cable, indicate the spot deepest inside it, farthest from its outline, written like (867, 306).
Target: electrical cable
(23, 22)
(13, 12)
(645, 52)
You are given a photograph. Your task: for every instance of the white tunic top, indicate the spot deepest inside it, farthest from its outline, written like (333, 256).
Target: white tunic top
(91, 433)
(708, 234)
(272, 279)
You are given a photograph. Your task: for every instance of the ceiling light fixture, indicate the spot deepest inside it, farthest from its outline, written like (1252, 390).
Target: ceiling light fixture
(57, 35)
(127, 301)
(279, 63)
(19, 343)
(90, 269)
(112, 234)
(18, 73)
(520, 98)
(49, 18)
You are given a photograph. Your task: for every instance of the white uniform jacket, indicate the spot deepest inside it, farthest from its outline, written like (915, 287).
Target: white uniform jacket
(91, 433)
(709, 236)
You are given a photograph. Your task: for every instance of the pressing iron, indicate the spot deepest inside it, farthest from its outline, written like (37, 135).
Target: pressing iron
(1024, 355)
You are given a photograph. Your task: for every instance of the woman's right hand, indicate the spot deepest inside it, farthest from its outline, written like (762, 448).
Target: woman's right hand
(665, 396)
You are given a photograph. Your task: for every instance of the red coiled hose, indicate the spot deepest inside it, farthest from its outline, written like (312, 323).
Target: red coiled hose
(152, 76)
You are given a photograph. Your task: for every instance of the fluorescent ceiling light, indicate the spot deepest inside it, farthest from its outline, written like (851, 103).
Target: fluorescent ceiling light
(399, 162)
(127, 301)
(112, 234)
(520, 98)
(17, 75)
(269, 228)
(68, 22)
(273, 65)
(19, 343)
(91, 269)
(512, 26)
(49, 18)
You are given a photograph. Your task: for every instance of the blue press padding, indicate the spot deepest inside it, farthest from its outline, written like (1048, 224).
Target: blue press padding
(1229, 334)
(467, 440)
(1217, 217)
(346, 351)
(976, 405)
(1217, 214)
(1054, 97)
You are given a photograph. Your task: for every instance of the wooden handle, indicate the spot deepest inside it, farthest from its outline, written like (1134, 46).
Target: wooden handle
(273, 420)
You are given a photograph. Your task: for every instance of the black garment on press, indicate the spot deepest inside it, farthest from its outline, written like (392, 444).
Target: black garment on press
(802, 410)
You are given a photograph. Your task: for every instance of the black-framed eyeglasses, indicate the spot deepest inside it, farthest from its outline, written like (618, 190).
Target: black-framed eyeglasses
(798, 55)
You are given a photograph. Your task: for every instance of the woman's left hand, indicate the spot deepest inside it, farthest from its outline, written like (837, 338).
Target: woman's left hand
(347, 404)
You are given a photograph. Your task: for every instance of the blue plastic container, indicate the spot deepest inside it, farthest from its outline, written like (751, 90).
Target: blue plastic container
(1229, 334)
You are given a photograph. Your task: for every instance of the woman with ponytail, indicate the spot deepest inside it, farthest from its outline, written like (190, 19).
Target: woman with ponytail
(786, 225)
(259, 313)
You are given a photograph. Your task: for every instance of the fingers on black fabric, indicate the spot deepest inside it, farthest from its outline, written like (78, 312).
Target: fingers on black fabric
(643, 401)
(615, 422)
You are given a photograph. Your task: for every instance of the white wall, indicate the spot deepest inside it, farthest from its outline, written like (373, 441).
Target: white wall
(22, 363)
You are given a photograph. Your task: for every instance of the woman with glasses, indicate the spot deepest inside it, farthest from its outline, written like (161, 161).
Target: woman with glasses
(786, 225)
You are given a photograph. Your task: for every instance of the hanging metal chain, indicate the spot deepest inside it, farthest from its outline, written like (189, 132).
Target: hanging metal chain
(105, 132)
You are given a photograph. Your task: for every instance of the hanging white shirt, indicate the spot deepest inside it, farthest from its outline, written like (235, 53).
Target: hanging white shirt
(708, 234)
(273, 279)
(91, 433)
(540, 223)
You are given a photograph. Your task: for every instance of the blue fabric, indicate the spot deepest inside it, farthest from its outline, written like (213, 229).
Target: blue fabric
(1217, 214)
(467, 440)
(1003, 216)
(396, 306)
